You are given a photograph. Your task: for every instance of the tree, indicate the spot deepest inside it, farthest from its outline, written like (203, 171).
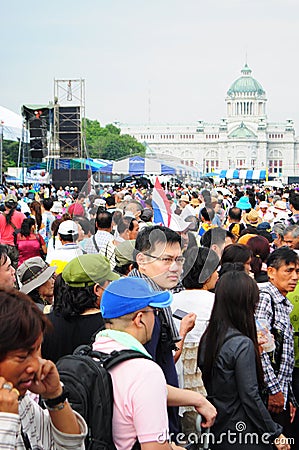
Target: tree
(10, 154)
(107, 142)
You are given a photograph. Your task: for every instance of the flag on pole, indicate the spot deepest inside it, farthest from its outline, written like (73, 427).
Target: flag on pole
(161, 206)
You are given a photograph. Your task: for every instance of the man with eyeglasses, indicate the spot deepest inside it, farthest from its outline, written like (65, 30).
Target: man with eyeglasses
(140, 394)
(160, 264)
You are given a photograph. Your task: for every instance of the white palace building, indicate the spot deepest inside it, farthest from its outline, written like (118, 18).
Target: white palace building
(244, 140)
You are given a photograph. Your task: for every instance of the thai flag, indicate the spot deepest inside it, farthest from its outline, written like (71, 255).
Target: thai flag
(161, 206)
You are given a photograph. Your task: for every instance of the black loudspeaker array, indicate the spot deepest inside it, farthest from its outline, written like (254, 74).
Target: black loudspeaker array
(38, 127)
(72, 177)
(69, 131)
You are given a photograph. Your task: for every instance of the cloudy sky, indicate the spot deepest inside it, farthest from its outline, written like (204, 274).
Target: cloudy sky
(183, 55)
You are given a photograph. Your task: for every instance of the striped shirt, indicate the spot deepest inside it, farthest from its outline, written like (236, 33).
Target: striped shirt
(282, 308)
(36, 423)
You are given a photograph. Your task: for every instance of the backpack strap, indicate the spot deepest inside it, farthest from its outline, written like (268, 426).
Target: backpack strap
(117, 357)
(10, 222)
(106, 250)
(272, 307)
(95, 243)
(109, 360)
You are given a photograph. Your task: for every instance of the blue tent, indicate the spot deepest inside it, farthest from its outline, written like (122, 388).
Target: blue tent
(137, 165)
(243, 174)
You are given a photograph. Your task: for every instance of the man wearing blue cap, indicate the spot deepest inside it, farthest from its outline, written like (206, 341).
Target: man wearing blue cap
(129, 306)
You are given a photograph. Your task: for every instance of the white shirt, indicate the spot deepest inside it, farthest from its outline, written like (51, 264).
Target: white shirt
(199, 302)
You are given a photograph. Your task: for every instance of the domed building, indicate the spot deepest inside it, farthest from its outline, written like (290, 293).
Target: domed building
(242, 145)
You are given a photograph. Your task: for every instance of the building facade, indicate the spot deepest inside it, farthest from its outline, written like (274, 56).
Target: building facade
(245, 139)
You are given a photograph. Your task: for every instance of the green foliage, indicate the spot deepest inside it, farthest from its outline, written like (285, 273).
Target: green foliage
(10, 154)
(107, 142)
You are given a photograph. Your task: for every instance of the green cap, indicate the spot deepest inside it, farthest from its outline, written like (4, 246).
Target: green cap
(87, 270)
(125, 253)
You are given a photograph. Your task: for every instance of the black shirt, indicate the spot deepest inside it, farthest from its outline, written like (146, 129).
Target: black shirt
(69, 334)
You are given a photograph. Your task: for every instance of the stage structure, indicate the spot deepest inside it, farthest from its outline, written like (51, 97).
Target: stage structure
(69, 120)
(38, 120)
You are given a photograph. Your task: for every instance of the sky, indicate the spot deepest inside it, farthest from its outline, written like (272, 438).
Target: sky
(157, 61)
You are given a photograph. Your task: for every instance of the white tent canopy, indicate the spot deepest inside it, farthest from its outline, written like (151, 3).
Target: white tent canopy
(12, 124)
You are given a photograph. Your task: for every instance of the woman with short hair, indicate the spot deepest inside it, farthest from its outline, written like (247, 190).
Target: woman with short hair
(23, 423)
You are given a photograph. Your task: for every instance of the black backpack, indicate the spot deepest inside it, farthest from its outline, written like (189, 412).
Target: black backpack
(90, 391)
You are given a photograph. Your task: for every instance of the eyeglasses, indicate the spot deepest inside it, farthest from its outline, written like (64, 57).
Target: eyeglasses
(168, 260)
(153, 310)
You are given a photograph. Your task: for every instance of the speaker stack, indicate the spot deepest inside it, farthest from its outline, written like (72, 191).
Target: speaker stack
(69, 133)
(38, 124)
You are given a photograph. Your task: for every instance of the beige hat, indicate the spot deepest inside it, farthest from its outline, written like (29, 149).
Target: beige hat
(184, 198)
(33, 273)
(280, 206)
(252, 218)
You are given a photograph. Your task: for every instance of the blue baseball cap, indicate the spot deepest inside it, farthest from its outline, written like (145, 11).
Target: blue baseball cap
(130, 294)
(264, 226)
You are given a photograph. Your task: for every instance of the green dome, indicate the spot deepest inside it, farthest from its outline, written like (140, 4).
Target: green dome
(242, 132)
(246, 84)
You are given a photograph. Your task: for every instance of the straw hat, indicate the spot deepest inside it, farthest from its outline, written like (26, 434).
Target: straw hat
(252, 218)
(194, 202)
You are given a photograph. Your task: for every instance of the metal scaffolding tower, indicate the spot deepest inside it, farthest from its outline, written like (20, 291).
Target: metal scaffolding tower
(68, 134)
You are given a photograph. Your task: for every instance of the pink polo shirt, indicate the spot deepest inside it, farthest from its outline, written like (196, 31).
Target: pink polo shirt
(140, 399)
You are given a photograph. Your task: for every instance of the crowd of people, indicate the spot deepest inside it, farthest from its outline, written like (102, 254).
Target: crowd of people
(189, 295)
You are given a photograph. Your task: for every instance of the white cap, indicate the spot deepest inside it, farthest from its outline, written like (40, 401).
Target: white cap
(68, 227)
(100, 202)
(264, 205)
(57, 207)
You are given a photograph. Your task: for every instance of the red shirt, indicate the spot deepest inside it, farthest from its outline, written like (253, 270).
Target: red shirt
(76, 209)
(6, 230)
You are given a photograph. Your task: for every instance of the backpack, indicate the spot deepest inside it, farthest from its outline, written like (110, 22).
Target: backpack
(90, 391)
